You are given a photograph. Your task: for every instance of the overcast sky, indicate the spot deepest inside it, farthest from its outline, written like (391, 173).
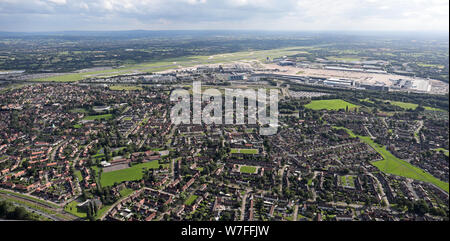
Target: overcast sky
(59, 15)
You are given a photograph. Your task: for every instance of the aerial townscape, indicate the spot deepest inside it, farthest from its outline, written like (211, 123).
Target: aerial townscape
(87, 130)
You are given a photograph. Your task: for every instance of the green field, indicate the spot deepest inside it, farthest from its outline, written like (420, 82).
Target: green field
(78, 110)
(78, 175)
(411, 106)
(334, 104)
(393, 165)
(125, 87)
(73, 209)
(98, 117)
(190, 200)
(247, 169)
(367, 100)
(244, 151)
(404, 105)
(133, 173)
(126, 192)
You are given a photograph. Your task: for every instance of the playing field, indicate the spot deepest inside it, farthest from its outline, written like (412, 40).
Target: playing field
(334, 104)
(98, 117)
(247, 169)
(133, 173)
(393, 165)
(244, 151)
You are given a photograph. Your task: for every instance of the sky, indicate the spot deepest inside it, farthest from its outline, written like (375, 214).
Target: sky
(292, 15)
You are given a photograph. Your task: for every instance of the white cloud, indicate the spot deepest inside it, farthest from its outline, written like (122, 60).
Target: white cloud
(231, 14)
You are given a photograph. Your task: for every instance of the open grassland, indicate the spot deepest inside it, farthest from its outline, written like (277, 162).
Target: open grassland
(334, 104)
(133, 173)
(393, 165)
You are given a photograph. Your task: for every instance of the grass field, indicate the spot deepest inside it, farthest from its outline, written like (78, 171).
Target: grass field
(126, 192)
(334, 104)
(125, 87)
(190, 200)
(133, 173)
(78, 174)
(404, 105)
(247, 169)
(244, 151)
(393, 165)
(78, 110)
(73, 209)
(411, 106)
(367, 100)
(98, 117)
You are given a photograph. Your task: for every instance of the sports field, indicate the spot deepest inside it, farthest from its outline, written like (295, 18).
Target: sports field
(244, 151)
(393, 165)
(133, 173)
(334, 104)
(98, 117)
(247, 169)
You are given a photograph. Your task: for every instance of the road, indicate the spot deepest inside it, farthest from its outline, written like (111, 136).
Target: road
(244, 200)
(381, 190)
(295, 212)
(57, 214)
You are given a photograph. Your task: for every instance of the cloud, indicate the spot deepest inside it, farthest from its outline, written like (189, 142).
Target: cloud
(48, 15)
